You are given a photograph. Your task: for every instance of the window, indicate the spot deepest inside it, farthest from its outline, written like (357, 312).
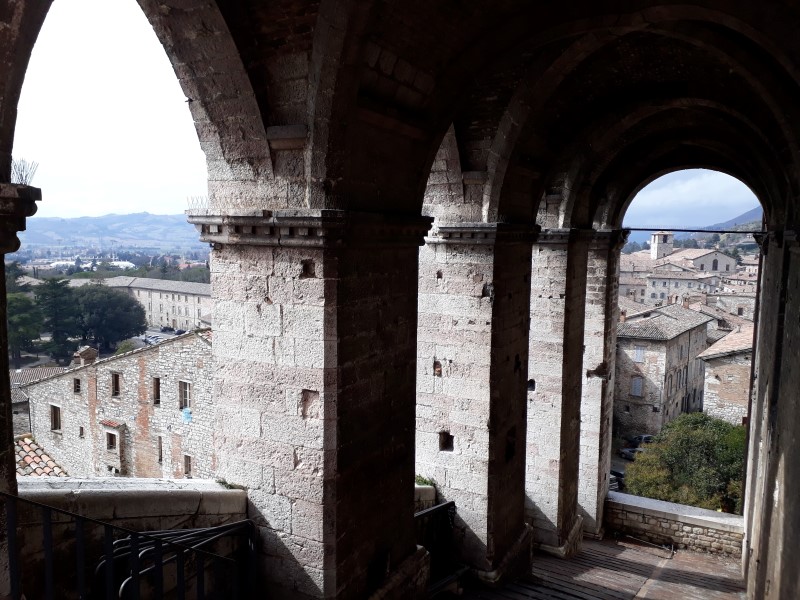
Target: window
(111, 441)
(76, 386)
(714, 265)
(653, 295)
(702, 266)
(677, 283)
(636, 386)
(690, 284)
(661, 295)
(638, 354)
(156, 390)
(55, 417)
(727, 267)
(115, 384)
(81, 432)
(160, 449)
(740, 311)
(664, 284)
(185, 394)
(641, 294)
(654, 284)
(187, 465)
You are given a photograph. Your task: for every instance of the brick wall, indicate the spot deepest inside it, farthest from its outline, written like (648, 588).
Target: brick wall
(81, 447)
(727, 387)
(667, 523)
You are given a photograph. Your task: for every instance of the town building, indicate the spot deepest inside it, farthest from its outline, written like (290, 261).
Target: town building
(19, 399)
(145, 413)
(728, 368)
(658, 375)
(176, 304)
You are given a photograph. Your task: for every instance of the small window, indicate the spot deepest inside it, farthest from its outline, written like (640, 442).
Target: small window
(690, 284)
(727, 267)
(664, 284)
(445, 441)
(636, 386)
(160, 449)
(641, 292)
(677, 284)
(654, 284)
(156, 390)
(740, 311)
(187, 465)
(111, 441)
(661, 295)
(55, 417)
(115, 384)
(638, 354)
(81, 432)
(185, 394)
(76, 386)
(715, 265)
(653, 295)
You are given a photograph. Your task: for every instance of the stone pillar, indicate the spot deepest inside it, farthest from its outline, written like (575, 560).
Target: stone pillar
(558, 296)
(315, 316)
(597, 402)
(471, 380)
(16, 203)
(772, 510)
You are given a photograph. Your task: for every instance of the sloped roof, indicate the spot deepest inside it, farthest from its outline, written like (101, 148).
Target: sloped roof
(33, 461)
(734, 343)
(20, 377)
(662, 323)
(160, 285)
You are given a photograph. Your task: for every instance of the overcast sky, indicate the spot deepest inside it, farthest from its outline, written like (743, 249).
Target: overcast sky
(103, 115)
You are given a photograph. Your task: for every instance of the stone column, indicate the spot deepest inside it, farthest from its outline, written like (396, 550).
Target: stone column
(471, 381)
(597, 401)
(315, 316)
(558, 296)
(772, 510)
(16, 203)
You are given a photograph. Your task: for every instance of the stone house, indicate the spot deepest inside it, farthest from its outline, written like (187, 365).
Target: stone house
(741, 303)
(19, 399)
(658, 375)
(145, 413)
(669, 287)
(178, 304)
(728, 365)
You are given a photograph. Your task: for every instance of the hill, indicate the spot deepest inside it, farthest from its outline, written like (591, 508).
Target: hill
(752, 218)
(138, 230)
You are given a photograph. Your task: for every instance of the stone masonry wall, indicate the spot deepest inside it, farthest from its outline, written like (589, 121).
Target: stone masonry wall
(80, 445)
(727, 387)
(685, 527)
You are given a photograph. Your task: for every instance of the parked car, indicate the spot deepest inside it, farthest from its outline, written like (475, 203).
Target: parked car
(167, 329)
(180, 331)
(637, 440)
(630, 453)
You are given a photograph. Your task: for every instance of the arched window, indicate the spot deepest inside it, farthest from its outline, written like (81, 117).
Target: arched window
(714, 265)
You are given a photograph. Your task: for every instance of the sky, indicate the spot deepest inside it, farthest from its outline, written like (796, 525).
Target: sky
(104, 116)
(690, 198)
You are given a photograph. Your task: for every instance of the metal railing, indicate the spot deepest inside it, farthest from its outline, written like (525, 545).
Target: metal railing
(435, 528)
(54, 553)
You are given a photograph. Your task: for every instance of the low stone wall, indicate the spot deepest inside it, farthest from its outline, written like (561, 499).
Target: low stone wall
(667, 523)
(424, 497)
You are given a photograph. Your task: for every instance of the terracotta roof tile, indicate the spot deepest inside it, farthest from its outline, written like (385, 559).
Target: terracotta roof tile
(111, 423)
(733, 343)
(33, 463)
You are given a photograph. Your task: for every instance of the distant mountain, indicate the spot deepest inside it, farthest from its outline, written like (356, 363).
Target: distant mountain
(753, 215)
(139, 230)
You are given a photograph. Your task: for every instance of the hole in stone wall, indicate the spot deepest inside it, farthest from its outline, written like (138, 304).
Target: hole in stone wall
(445, 441)
(511, 444)
(308, 269)
(309, 404)
(438, 274)
(627, 408)
(437, 368)
(531, 385)
(487, 291)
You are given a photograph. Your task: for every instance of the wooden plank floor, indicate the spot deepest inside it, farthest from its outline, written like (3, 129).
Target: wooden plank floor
(611, 570)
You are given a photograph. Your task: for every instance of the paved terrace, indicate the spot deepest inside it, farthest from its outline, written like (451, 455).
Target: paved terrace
(611, 570)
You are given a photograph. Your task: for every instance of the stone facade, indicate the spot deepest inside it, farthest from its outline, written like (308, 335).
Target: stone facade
(177, 304)
(658, 374)
(137, 398)
(728, 369)
(683, 527)
(739, 304)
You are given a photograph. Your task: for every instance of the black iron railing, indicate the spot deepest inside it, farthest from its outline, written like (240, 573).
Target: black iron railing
(435, 527)
(54, 553)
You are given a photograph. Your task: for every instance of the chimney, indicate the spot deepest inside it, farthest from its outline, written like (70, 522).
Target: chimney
(685, 302)
(622, 316)
(85, 355)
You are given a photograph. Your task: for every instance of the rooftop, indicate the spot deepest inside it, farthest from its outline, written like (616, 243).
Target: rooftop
(32, 460)
(735, 342)
(160, 285)
(661, 323)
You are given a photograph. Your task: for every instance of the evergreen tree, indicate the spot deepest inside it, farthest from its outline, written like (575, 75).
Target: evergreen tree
(56, 302)
(13, 273)
(107, 316)
(24, 325)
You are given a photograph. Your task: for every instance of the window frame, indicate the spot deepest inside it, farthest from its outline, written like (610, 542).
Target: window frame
(184, 394)
(55, 418)
(116, 384)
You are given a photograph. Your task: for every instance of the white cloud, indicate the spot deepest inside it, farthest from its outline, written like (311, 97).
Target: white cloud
(104, 116)
(689, 198)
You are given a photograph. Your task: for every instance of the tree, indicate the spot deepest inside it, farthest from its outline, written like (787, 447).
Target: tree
(107, 315)
(691, 243)
(13, 273)
(645, 245)
(24, 325)
(55, 300)
(695, 460)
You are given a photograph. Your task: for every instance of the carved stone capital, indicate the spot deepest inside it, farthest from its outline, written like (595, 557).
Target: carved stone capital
(482, 233)
(309, 228)
(17, 202)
